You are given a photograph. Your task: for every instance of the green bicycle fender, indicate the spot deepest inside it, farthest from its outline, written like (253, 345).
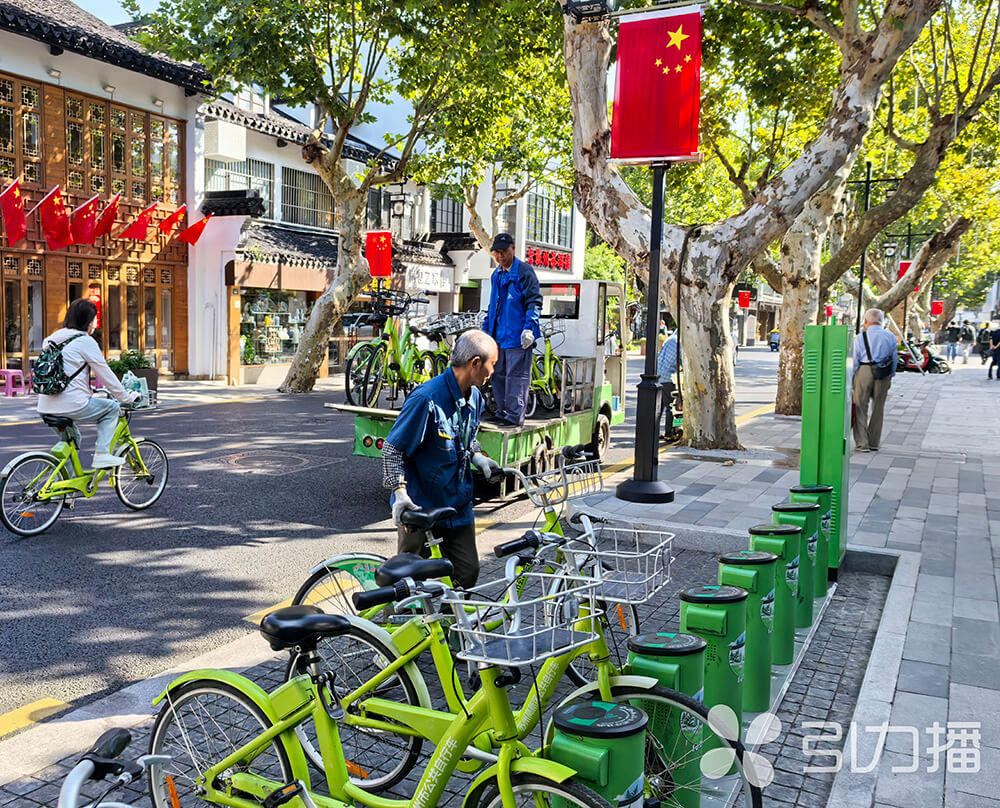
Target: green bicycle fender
(359, 346)
(20, 457)
(543, 767)
(423, 694)
(256, 694)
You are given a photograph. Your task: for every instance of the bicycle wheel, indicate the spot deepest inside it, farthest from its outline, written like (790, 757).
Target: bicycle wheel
(354, 373)
(22, 512)
(489, 400)
(139, 484)
(530, 404)
(560, 385)
(202, 722)
(671, 775)
(441, 362)
(376, 759)
(375, 374)
(546, 397)
(537, 792)
(619, 622)
(331, 587)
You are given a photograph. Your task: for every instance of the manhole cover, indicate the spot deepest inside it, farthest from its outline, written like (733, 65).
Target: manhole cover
(272, 463)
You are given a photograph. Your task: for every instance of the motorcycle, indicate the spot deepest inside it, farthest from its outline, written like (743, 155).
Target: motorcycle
(920, 357)
(774, 342)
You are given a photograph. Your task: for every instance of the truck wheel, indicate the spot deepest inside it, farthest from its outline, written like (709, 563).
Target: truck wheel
(602, 437)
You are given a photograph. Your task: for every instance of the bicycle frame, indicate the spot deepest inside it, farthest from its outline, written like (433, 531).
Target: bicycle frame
(83, 482)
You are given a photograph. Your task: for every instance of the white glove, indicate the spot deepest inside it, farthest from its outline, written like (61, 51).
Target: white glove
(487, 465)
(527, 339)
(401, 502)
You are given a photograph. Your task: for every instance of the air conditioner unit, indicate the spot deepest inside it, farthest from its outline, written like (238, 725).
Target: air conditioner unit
(225, 142)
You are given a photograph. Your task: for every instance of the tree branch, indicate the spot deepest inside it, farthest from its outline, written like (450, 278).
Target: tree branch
(810, 11)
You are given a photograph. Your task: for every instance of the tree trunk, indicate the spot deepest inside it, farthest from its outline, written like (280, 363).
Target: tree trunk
(351, 277)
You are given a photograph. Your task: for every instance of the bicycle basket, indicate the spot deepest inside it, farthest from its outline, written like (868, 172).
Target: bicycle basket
(566, 482)
(633, 563)
(520, 621)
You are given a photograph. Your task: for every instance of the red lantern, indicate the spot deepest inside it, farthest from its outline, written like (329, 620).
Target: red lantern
(829, 311)
(937, 308)
(744, 300)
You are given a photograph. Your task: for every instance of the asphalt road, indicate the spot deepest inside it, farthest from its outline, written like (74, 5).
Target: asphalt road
(259, 492)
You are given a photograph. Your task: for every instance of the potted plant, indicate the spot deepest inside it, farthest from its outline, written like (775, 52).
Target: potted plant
(139, 364)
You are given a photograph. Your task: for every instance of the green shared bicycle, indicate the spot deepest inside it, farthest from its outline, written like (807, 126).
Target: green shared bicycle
(228, 742)
(36, 486)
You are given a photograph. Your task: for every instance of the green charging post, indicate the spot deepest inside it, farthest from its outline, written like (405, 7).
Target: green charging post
(822, 495)
(806, 516)
(753, 570)
(784, 541)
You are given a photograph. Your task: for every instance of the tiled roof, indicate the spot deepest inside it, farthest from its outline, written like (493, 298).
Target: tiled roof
(273, 244)
(65, 26)
(233, 203)
(419, 252)
(458, 240)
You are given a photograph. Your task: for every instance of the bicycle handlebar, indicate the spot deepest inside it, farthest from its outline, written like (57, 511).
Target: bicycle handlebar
(529, 541)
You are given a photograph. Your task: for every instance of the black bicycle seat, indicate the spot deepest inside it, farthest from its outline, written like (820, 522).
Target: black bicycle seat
(301, 626)
(426, 519)
(57, 421)
(410, 565)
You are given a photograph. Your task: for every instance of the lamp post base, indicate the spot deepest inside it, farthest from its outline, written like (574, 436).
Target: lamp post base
(650, 491)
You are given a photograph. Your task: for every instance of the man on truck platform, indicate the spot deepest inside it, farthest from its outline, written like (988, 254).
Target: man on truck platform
(428, 454)
(512, 320)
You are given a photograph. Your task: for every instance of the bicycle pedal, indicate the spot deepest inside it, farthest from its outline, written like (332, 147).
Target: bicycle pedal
(284, 794)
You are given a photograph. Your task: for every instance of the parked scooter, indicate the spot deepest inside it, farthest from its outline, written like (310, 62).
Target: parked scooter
(921, 357)
(774, 341)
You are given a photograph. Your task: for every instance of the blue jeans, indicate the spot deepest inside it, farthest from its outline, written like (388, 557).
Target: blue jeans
(952, 351)
(104, 412)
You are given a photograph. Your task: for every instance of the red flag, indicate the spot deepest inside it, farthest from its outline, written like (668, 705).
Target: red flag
(657, 87)
(937, 308)
(138, 229)
(378, 251)
(55, 220)
(193, 233)
(168, 224)
(12, 207)
(84, 221)
(904, 267)
(107, 218)
(744, 300)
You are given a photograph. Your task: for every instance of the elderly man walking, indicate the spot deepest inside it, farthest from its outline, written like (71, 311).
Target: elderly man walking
(875, 354)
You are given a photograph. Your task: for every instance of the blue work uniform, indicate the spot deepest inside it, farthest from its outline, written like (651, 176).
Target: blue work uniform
(436, 432)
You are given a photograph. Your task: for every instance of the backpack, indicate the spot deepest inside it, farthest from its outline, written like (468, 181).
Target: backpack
(48, 375)
(968, 334)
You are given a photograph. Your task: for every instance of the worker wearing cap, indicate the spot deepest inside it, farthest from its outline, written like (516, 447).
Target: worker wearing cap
(512, 320)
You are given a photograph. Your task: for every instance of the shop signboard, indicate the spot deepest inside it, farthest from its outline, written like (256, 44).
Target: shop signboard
(547, 258)
(420, 277)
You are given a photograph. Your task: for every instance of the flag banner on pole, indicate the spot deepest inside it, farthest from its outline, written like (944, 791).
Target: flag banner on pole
(378, 251)
(55, 220)
(191, 234)
(904, 267)
(84, 224)
(140, 227)
(12, 207)
(937, 308)
(657, 100)
(168, 224)
(106, 220)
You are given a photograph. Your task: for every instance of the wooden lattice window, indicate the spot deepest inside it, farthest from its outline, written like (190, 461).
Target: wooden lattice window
(11, 265)
(131, 274)
(34, 266)
(74, 270)
(165, 277)
(148, 275)
(114, 274)
(20, 131)
(94, 272)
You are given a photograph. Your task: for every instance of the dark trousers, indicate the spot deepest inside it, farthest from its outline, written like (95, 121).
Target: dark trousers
(995, 364)
(458, 545)
(666, 394)
(511, 377)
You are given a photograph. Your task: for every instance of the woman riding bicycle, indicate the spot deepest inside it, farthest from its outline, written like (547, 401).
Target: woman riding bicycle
(80, 351)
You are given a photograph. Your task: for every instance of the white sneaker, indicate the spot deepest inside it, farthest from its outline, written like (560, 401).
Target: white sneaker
(107, 461)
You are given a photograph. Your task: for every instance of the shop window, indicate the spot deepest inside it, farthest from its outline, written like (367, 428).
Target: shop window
(166, 328)
(94, 296)
(271, 325)
(36, 317)
(114, 317)
(75, 291)
(132, 318)
(149, 310)
(12, 321)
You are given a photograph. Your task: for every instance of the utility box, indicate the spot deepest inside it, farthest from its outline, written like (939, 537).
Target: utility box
(826, 424)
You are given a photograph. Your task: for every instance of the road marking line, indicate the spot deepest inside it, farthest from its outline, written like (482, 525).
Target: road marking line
(485, 524)
(30, 714)
(256, 617)
(754, 413)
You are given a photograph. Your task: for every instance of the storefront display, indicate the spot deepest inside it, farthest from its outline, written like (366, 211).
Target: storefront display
(271, 325)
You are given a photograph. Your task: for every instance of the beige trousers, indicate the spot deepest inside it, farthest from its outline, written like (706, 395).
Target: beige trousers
(868, 428)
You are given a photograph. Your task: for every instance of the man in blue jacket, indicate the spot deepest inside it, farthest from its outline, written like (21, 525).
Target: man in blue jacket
(512, 320)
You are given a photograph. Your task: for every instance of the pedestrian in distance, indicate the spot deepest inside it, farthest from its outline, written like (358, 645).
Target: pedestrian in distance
(875, 353)
(983, 341)
(951, 336)
(513, 321)
(668, 362)
(81, 355)
(967, 338)
(994, 352)
(428, 455)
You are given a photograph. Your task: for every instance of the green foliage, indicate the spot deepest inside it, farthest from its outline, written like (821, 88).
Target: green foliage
(129, 360)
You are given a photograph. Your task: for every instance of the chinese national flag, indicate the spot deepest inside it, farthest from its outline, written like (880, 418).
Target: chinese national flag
(55, 220)
(12, 207)
(378, 251)
(107, 218)
(191, 234)
(657, 87)
(84, 222)
(904, 267)
(168, 224)
(140, 227)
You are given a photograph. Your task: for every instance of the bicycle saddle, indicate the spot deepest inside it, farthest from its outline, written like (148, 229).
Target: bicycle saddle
(410, 565)
(301, 626)
(426, 519)
(57, 421)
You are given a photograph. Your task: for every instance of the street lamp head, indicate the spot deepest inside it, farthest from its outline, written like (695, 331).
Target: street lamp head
(589, 9)
(889, 249)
